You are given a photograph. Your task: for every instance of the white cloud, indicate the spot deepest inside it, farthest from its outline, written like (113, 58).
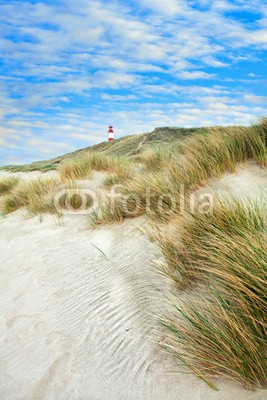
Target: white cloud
(195, 75)
(7, 136)
(251, 98)
(114, 97)
(169, 7)
(213, 62)
(72, 60)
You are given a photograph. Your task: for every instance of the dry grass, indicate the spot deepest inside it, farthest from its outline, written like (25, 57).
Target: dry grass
(155, 159)
(107, 213)
(38, 197)
(35, 195)
(215, 341)
(218, 330)
(7, 184)
(237, 219)
(141, 195)
(210, 154)
(202, 156)
(75, 168)
(121, 169)
(224, 331)
(82, 166)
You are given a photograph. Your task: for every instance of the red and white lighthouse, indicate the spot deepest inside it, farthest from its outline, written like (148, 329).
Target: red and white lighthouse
(110, 133)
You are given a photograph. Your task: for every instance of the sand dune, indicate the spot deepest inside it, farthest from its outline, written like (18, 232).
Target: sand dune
(29, 175)
(78, 314)
(250, 180)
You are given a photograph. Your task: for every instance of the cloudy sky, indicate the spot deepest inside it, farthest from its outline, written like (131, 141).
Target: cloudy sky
(69, 68)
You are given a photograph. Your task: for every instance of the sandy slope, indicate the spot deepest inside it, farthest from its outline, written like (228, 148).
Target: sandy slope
(77, 316)
(30, 175)
(249, 181)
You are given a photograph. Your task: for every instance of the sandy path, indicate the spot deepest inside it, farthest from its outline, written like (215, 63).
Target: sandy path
(76, 324)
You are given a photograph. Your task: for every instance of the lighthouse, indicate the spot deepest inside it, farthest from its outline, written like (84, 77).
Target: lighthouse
(110, 133)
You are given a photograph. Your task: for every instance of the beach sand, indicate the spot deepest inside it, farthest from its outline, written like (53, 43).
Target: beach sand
(79, 313)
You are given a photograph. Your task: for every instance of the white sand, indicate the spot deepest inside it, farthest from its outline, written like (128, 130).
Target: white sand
(249, 181)
(30, 175)
(76, 324)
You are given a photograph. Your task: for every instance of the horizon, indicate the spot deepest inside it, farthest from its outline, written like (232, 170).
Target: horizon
(70, 69)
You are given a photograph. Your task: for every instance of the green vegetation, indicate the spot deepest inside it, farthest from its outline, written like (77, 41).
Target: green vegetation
(83, 165)
(211, 153)
(42, 166)
(35, 195)
(125, 146)
(186, 166)
(106, 214)
(75, 168)
(216, 261)
(221, 329)
(7, 184)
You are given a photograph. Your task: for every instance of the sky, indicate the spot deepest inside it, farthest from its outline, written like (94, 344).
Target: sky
(70, 68)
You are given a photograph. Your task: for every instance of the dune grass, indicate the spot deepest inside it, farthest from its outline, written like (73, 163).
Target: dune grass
(141, 195)
(76, 168)
(156, 158)
(38, 197)
(213, 342)
(169, 173)
(7, 184)
(83, 165)
(211, 153)
(120, 170)
(236, 219)
(217, 260)
(107, 213)
(35, 195)
(222, 330)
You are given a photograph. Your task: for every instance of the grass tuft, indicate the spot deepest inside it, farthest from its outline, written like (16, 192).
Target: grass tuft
(35, 195)
(218, 260)
(155, 159)
(170, 172)
(224, 330)
(75, 168)
(7, 184)
(82, 166)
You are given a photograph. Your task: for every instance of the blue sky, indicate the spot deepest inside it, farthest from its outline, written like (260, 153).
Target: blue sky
(70, 68)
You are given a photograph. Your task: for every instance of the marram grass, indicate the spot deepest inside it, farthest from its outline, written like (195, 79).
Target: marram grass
(36, 196)
(213, 340)
(82, 166)
(207, 154)
(7, 184)
(75, 168)
(220, 330)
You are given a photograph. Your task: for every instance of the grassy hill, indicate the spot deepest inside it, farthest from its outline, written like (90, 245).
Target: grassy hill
(125, 146)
